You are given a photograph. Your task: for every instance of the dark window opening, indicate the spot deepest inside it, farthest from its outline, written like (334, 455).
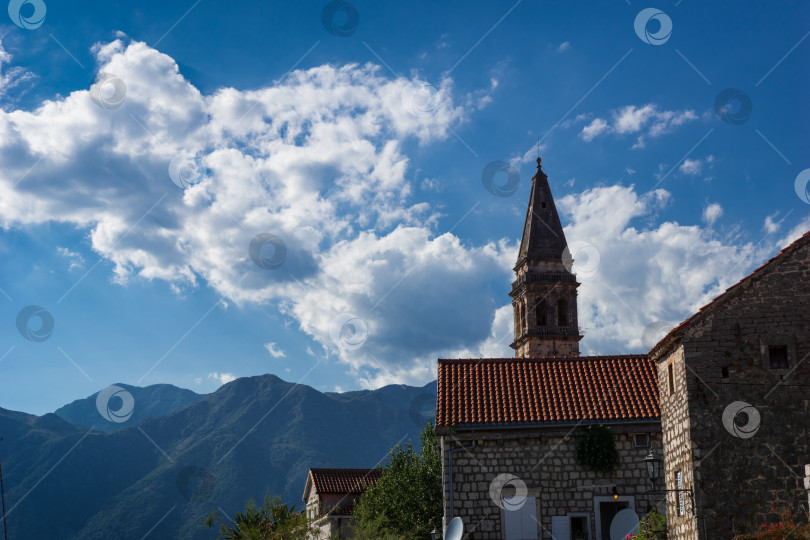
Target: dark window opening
(671, 380)
(520, 319)
(607, 511)
(543, 204)
(540, 314)
(724, 372)
(579, 528)
(779, 357)
(562, 312)
(642, 440)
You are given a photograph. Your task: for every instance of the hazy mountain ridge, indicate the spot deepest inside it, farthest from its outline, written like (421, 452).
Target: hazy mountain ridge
(253, 436)
(151, 401)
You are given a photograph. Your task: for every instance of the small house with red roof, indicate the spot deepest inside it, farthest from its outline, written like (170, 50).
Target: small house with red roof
(331, 494)
(510, 429)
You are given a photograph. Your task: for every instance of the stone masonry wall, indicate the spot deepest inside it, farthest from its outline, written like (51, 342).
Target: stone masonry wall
(545, 460)
(677, 441)
(749, 419)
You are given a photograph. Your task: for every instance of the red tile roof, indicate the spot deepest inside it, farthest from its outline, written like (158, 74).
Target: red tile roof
(515, 391)
(340, 481)
(678, 330)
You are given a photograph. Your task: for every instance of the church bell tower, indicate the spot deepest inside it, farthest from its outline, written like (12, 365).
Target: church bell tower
(544, 295)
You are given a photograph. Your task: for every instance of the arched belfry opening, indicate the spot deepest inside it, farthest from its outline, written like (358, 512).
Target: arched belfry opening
(562, 312)
(541, 314)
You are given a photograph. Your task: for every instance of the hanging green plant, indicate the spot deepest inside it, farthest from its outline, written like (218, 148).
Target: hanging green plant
(597, 450)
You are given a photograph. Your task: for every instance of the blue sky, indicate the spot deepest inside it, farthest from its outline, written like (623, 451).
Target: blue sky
(359, 146)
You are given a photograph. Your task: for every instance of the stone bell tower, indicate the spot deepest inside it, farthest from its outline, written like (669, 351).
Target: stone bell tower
(544, 295)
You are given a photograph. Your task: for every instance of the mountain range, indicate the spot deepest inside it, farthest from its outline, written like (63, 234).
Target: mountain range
(181, 455)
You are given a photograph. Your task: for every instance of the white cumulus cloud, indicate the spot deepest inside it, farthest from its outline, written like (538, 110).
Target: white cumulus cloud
(594, 129)
(76, 260)
(690, 166)
(222, 378)
(11, 76)
(647, 121)
(712, 213)
(274, 351)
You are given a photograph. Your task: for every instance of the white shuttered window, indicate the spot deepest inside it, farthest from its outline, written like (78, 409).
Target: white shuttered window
(521, 524)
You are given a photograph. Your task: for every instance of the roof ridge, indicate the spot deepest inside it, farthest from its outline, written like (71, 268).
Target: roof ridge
(717, 300)
(342, 468)
(545, 358)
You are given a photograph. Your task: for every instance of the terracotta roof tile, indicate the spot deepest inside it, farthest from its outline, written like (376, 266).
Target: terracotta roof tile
(546, 390)
(340, 481)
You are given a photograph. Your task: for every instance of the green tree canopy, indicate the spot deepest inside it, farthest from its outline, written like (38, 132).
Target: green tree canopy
(272, 520)
(407, 500)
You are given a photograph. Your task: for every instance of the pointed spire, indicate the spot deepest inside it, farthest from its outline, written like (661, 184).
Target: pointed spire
(543, 236)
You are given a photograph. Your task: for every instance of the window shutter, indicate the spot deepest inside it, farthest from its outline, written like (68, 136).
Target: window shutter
(561, 528)
(521, 524)
(529, 519)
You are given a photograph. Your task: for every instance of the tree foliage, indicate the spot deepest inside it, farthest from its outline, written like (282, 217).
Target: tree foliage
(597, 450)
(272, 520)
(406, 502)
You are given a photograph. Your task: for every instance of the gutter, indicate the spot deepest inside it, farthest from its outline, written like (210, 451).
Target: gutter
(450, 468)
(562, 424)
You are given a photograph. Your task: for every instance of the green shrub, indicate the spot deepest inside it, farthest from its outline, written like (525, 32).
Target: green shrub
(653, 526)
(785, 529)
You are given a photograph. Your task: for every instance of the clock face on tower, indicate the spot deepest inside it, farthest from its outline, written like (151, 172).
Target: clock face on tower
(544, 295)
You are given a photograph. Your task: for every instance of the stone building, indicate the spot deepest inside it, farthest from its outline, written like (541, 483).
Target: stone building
(331, 493)
(734, 381)
(508, 428)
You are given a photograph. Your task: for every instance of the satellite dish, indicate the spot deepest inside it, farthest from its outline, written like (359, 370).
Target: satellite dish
(624, 522)
(455, 529)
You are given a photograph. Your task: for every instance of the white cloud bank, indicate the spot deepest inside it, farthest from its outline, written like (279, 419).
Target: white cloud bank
(662, 273)
(316, 161)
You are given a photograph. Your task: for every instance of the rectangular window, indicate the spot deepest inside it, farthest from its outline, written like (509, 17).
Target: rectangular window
(579, 528)
(642, 440)
(671, 378)
(679, 485)
(778, 356)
